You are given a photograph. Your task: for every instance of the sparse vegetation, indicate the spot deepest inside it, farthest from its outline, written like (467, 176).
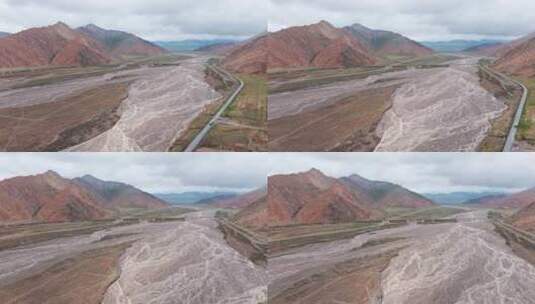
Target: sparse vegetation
(435, 212)
(526, 128)
(243, 125)
(50, 126)
(500, 127)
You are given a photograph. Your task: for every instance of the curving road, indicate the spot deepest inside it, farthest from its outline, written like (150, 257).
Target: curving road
(199, 138)
(520, 110)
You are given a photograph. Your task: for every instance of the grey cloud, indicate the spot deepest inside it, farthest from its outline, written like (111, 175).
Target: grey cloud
(165, 172)
(431, 19)
(156, 19)
(155, 172)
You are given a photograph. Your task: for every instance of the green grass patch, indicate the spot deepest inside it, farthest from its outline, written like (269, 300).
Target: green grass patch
(526, 128)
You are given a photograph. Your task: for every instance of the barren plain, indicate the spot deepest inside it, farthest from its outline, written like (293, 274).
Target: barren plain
(139, 106)
(162, 261)
(453, 262)
(433, 105)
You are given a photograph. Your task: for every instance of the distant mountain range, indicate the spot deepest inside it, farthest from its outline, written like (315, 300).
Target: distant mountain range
(194, 197)
(59, 44)
(458, 197)
(193, 45)
(515, 200)
(49, 197)
(453, 46)
(4, 34)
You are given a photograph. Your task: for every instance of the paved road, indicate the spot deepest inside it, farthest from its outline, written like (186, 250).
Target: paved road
(514, 128)
(199, 138)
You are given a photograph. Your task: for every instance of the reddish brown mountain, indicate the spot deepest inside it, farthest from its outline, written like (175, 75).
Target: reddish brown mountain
(249, 57)
(307, 198)
(116, 195)
(384, 43)
(118, 43)
(53, 45)
(525, 218)
(219, 48)
(51, 198)
(47, 197)
(518, 57)
(384, 194)
(318, 45)
(241, 201)
(517, 200)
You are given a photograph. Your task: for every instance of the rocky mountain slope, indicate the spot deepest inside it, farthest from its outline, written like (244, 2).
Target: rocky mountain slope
(118, 43)
(119, 195)
(384, 43)
(518, 57)
(53, 45)
(384, 194)
(241, 201)
(486, 49)
(307, 198)
(49, 197)
(516, 200)
(525, 218)
(249, 57)
(318, 45)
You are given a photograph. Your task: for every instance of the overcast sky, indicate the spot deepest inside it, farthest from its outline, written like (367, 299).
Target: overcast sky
(418, 19)
(178, 172)
(153, 172)
(184, 19)
(151, 19)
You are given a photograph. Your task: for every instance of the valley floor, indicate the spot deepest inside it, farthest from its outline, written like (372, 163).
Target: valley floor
(170, 262)
(411, 107)
(140, 106)
(463, 262)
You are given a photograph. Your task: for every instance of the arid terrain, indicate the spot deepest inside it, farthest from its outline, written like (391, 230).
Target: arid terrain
(162, 259)
(158, 109)
(139, 108)
(441, 107)
(111, 91)
(322, 246)
(462, 262)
